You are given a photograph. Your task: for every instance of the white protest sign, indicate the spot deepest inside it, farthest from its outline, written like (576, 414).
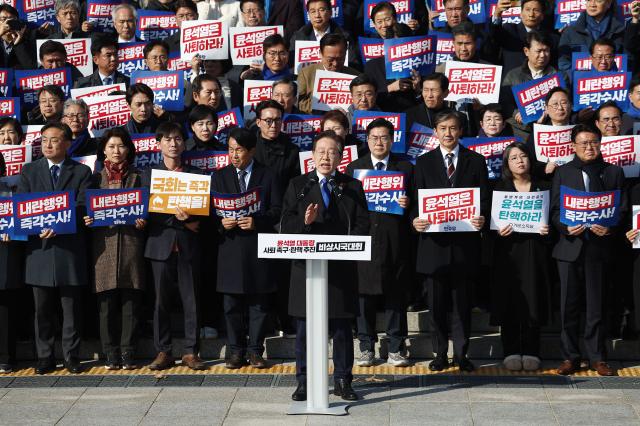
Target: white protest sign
(255, 91)
(468, 80)
(246, 42)
(553, 143)
(307, 52)
(449, 209)
(622, 151)
(87, 92)
(106, 112)
(209, 39)
(78, 52)
(331, 91)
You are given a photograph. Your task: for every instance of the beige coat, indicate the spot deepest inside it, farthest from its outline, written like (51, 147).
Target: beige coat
(306, 79)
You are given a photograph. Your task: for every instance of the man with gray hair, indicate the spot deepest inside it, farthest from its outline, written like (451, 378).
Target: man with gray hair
(124, 21)
(68, 16)
(75, 114)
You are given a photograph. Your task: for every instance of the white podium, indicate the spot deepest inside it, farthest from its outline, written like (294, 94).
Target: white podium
(317, 250)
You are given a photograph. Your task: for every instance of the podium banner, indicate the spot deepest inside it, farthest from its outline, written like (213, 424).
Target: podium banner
(314, 247)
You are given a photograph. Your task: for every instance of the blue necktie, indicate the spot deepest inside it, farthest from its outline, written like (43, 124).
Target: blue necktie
(107, 81)
(267, 9)
(326, 193)
(379, 165)
(55, 174)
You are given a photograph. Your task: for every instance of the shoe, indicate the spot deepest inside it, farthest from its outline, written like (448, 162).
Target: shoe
(113, 362)
(603, 369)
(45, 365)
(464, 364)
(163, 361)
(257, 361)
(416, 307)
(128, 361)
(300, 394)
(530, 363)
(439, 363)
(397, 359)
(72, 364)
(194, 362)
(208, 333)
(6, 368)
(365, 360)
(568, 367)
(235, 361)
(342, 388)
(513, 362)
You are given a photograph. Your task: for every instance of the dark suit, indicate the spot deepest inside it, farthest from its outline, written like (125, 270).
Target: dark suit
(289, 14)
(244, 279)
(95, 80)
(450, 261)
(387, 274)
(512, 39)
(388, 101)
(57, 267)
(582, 264)
(343, 288)
(426, 116)
(21, 56)
(174, 252)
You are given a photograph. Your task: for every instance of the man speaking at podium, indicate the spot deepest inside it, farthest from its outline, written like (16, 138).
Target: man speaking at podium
(325, 201)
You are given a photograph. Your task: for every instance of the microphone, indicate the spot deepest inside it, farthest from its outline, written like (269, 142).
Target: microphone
(337, 191)
(307, 187)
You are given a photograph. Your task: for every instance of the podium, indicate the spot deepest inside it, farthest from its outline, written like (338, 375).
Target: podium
(317, 250)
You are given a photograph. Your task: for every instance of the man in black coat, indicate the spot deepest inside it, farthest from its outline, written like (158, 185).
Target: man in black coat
(174, 251)
(105, 56)
(246, 281)
(325, 201)
(186, 10)
(17, 47)
(584, 253)
(387, 274)
(143, 118)
(56, 265)
(450, 261)
(435, 87)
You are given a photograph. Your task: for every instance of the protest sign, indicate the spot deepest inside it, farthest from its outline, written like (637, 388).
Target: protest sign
(402, 55)
(255, 91)
(525, 211)
(370, 48)
(593, 88)
(30, 81)
(361, 119)
(553, 143)
(236, 206)
(109, 207)
(87, 160)
(6, 216)
(32, 136)
(477, 12)
(530, 95)
(37, 12)
(104, 90)
(622, 151)
(99, 13)
(155, 25)
(106, 112)
(404, 12)
(78, 52)
(188, 191)
(568, 11)
(509, 16)
(422, 139)
(589, 208)
(6, 82)
(635, 224)
(147, 150)
(131, 57)
(167, 87)
(582, 62)
(468, 80)
(34, 212)
(449, 209)
(444, 47)
(15, 157)
(246, 42)
(10, 107)
(228, 120)
(207, 161)
(177, 64)
(492, 150)
(208, 39)
(349, 154)
(301, 129)
(331, 91)
(382, 189)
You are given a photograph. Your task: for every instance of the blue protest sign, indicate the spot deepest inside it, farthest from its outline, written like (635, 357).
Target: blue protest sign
(492, 150)
(370, 48)
(99, 13)
(361, 120)
(404, 12)
(228, 120)
(509, 16)
(167, 86)
(29, 82)
(589, 208)
(529, 96)
(237, 205)
(131, 58)
(155, 25)
(567, 12)
(36, 211)
(10, 107)
(382, 189)
(421, 140)
(109, 207)
(301, 129)
(444, 46)
(208, 161)
(37, 12)
(581, 61)
(147, 150)
(401, 55)
(593, 88)
(6, 82)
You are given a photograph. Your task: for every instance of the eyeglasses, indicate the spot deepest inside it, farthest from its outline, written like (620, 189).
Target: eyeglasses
(277, 54)
(160, 58)
(376, 139)
(271, 121)
(253, 12)
(357, 96)
(557, 105)
(72, 117)
(329, 153)
(600, 58)
(583, 144)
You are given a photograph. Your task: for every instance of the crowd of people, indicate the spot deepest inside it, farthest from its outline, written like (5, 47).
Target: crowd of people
(132, 273)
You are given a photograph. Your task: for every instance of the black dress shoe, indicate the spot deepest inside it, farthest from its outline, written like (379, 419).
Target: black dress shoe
(464, 364)
(439, 363)
(45, 365)
(300, 394)
(416, 307)
(342, 387)
(73, 365)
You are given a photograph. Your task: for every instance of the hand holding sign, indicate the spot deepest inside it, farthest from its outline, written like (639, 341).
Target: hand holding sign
(420, 225)
(229, 223)
(47, 233)
(599, 230)
(247, 223)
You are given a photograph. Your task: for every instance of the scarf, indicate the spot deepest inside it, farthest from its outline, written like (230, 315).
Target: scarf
(78, 142)
(597, 29)
(593, 170)
(116, 172)
(267, 74)
(633, 111)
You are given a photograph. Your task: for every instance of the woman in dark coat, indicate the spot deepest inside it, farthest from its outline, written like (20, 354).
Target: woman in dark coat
(10, 280)
(521, 271)
(118, 256)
